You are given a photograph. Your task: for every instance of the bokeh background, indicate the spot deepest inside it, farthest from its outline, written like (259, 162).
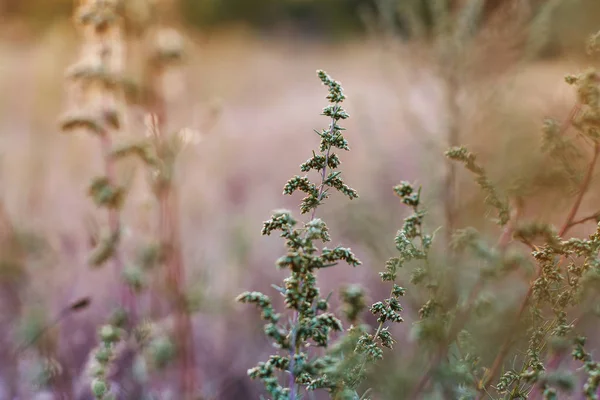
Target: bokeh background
(248, 90)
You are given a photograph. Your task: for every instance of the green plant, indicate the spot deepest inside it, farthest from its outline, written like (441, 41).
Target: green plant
(343, 367)
(310, 321)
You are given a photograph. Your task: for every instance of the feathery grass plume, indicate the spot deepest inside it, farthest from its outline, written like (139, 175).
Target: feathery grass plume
(311, 324)
(103, 23)
(453, 33)
(561, 147)
(414, 244)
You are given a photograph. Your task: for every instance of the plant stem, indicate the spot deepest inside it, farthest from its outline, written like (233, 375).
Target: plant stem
(324, 172)
(170, 237)
(169, 214)
(593, 217)
(294, 346)
(293, 351)
(584, 187)
(127, 297)
(110, 42)
(452, 88)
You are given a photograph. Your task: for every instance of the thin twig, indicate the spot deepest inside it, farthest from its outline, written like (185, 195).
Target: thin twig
(170, 237)
(127, 298)
(593, 217)
(556, 358)
(584, 187)
(78, 305)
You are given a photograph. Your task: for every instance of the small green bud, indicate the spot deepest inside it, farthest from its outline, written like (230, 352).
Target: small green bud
(134, 278)
(103, 355)
(571, 79)
(118, 318)
(109, 334)
(99, 388)
(162, 351)
(97, 371)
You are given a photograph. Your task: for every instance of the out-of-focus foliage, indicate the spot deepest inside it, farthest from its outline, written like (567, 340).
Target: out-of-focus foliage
(555, 25)
(309, 16)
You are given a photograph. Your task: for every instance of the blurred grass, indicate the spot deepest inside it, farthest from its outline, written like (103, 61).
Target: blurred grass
(552, 30)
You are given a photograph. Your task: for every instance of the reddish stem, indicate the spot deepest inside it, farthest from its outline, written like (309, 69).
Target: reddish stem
(170, 235)
(127, 297)
(557, 357)
(584, 187)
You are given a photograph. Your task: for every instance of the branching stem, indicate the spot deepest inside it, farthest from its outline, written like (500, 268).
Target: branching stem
(294, 346)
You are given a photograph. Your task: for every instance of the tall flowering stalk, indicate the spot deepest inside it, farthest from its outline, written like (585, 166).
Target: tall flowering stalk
(165, 54)
(96, 91)
(310, 322)
(344, 365)
(172, 255)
